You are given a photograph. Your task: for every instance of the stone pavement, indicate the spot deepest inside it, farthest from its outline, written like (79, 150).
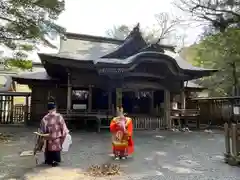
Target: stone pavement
(162, 155)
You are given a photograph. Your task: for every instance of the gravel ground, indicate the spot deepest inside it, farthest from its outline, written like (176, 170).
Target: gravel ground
(162, 155)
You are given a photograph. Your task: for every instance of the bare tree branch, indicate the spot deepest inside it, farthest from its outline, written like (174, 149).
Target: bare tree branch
(221, 14)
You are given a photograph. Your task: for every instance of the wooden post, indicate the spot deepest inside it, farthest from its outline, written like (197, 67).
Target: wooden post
(152, 103)
(113, 109)
(183, 99)
(237, 138)
(69, 93)
(118, 97)
(89, 98)
(227, 138)
(234, 140)
(26, 109)
(167, 108)
(110, 101)
(12, 109)
(1, 108)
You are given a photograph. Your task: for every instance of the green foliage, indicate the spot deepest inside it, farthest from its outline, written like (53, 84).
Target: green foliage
(26, 47)
(219, 51)
(21, 64)
(29, 20)
(25, 23)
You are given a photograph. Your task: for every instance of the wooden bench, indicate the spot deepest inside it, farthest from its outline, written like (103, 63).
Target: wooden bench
(189, 115)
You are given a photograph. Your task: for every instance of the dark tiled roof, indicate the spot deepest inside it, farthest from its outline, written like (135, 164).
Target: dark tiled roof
(100, 50)
(183, 64)
(132, 45)
(42, 75)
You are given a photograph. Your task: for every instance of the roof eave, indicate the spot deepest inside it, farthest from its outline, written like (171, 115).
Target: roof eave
(196, 74)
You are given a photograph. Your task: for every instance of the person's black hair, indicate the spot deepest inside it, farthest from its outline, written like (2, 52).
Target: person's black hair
(51, 105)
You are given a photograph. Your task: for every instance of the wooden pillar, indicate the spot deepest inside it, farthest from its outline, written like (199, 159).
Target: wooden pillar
(1, 108)
(183, 99)
(234, 140)
(227, 138)
(110, 101)
(12, 109)
(118, 97)
(26, 110)
(167, 108)
(152, 103)
(69, 93)
(89, 98)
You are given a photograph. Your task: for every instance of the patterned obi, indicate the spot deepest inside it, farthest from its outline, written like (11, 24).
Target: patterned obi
(120, 139)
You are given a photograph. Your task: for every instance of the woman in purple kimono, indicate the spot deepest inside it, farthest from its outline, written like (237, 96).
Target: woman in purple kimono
(54, 125)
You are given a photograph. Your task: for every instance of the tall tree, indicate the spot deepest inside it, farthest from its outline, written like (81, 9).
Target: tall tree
(221, 14)
(220, 51)
(165, 31)
(219, 47)
(29, 20)
(167, 28)
(25, 23)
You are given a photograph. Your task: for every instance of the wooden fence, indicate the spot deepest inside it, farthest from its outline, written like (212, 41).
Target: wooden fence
(215, 111)
(6, 104)
(232, 143)
(148, 123)
(11, 113)
(142, 122)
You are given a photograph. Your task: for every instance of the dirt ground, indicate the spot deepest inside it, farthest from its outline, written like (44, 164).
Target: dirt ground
(162, 155)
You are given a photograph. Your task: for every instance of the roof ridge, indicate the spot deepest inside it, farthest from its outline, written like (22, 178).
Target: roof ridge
(95, 38)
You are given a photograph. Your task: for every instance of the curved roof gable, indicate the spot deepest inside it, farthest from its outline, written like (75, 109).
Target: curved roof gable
(134, 48)
(132, 44)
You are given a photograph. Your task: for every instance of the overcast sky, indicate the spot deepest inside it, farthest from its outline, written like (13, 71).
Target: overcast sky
(95, 17)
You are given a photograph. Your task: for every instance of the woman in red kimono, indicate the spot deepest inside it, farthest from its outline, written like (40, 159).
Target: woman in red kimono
(121, 128)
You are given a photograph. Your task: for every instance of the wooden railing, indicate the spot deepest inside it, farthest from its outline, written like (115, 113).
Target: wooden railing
(103, 119)
(189, 116)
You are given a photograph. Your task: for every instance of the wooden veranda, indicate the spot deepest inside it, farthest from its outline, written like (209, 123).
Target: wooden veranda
(11, 113)
(101, 120)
